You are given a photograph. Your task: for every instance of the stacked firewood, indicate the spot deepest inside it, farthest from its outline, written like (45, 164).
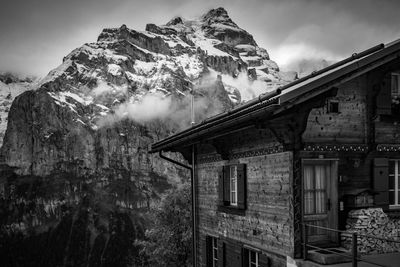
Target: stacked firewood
(374, 223)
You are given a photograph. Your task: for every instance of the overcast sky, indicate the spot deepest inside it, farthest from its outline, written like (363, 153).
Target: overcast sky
(36, 34)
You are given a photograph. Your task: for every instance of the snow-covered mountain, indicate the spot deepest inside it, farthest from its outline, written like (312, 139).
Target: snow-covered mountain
(124, 65)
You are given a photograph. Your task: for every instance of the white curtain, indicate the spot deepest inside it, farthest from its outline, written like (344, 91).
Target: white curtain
(309, 190)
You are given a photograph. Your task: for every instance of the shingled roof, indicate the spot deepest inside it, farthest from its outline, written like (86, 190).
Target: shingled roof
(272, 103)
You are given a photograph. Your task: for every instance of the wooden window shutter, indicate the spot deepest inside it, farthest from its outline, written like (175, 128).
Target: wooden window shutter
(221, 186)
(245, 257)
(227, 181)
(263, 260)
(384, 98)
(221, 254)
(381, 182)
(242, 188)
(237, 255)
(208, 251)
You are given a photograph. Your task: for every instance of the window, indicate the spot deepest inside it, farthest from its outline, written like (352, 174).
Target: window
(250, 258)
(386, 183)
(395, 85)
(394, 184)
(232, 187)
(395, 93)
(333, 106)
(253, 259)
(212, 251)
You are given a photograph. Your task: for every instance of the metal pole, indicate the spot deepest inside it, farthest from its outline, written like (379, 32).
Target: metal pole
(192, 107)
(193, 208)
(354, 250)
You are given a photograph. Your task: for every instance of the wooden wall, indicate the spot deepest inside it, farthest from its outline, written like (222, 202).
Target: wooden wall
(268, 220)
(347, 126)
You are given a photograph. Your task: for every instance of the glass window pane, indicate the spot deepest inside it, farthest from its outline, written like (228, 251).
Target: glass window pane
(391, 181)
(391, 198)
(320, 177)
(309, 203)
(308, 177)
(320, 205)
(398, 182)
(391, 166)
(394, 85)
(252, 256)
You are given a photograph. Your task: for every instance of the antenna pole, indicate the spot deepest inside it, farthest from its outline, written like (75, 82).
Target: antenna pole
(192, 106)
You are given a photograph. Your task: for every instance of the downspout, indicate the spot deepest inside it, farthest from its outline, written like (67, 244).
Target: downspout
(194, 241)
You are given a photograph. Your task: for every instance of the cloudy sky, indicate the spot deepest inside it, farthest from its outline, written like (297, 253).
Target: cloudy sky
(36, 34)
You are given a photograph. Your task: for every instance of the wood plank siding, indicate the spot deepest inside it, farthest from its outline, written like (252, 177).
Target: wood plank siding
(267, 223)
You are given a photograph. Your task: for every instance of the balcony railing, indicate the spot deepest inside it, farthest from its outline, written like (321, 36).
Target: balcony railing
(354, 247)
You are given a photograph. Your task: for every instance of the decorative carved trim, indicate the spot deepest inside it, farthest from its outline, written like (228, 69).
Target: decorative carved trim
(245, 154)
(337, 148)
(208, 159)
(388, 147)
(257, 152)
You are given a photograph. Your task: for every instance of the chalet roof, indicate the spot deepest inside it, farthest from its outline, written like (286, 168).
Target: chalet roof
(273, 103)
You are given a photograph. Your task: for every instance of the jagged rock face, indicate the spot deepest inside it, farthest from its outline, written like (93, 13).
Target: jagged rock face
(218, 24)
(10, 87)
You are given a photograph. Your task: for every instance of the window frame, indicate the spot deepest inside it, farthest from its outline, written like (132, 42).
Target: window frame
(233, 186)
(248, 259)
(251, 263)
(232, 198)
(214, 251)
(396, 189)
(331, 103)
(396, 76)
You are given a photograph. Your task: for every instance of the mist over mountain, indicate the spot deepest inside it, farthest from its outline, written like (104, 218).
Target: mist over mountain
(305, 67)
(75, 152)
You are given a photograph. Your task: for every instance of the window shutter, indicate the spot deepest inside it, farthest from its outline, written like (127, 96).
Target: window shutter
(384, 98)
(237, 255)
(227, 181)
(263, 260)
(245, 257)
(207, 251)
(221, 186)
(381, 182)
(221, 254)
(242, 188)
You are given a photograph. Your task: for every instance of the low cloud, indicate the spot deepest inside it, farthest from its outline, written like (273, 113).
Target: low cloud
(105, 88)
(151, 106)
(248, 89)
(211, 96)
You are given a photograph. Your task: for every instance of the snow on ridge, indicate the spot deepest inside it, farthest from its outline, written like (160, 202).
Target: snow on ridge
(114, 69)
(56, 73)
(222, 27)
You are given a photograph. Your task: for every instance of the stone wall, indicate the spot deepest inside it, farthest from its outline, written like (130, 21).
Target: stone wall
(372, 222)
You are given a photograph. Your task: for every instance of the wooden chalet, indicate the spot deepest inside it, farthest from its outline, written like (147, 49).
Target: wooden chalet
(307, 153)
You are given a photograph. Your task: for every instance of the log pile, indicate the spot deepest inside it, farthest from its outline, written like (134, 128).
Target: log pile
(374, 223)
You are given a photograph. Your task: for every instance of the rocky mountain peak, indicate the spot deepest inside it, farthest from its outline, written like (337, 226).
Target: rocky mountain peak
(218, 15)
(175, 21)
(106, 82)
